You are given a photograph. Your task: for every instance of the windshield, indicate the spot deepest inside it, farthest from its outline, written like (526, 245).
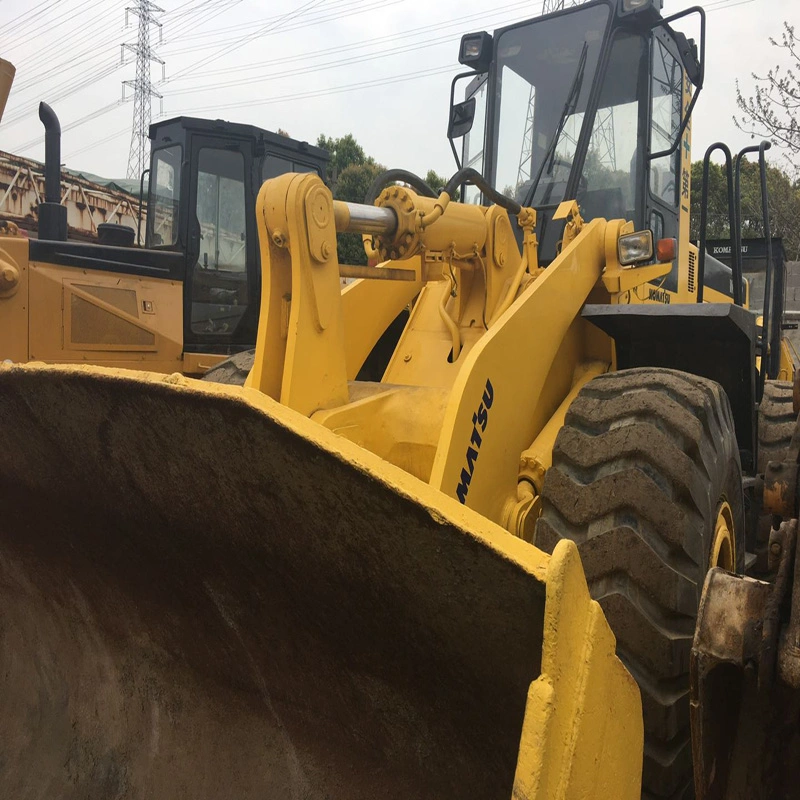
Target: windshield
(545, 71)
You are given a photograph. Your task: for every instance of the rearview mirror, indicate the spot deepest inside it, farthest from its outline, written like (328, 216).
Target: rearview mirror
(462, 115)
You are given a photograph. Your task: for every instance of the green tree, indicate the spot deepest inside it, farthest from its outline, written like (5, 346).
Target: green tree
(773, 110)
(343, 152)
(784, 204)
(437, 182)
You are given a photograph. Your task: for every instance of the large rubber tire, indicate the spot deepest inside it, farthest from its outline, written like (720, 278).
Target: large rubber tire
(232, 370)
(640, 469)
(776, 420)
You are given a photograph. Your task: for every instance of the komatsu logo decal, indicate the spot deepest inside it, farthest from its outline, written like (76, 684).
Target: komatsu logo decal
(479, 420)
(659, 295)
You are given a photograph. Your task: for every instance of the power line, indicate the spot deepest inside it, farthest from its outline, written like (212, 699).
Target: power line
(326, 65)
(16, 20)
(309, 19)
(53, 24)
(92, 115)
(350, 47)
(307, 22)
(191, 9)
(106, 68)
(249, 25)
(80, 34)
(249, 37)
(32, 14)
(55, 96)
(353, 87)
(104, 110)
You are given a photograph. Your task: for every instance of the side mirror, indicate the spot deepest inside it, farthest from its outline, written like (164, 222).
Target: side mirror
(462, 115)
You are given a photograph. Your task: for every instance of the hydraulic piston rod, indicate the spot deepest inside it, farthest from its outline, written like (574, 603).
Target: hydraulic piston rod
(359, 218)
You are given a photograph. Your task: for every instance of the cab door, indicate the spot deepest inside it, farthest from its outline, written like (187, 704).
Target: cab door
(221, 298)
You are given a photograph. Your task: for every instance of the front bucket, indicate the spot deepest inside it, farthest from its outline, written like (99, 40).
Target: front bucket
(205, 595)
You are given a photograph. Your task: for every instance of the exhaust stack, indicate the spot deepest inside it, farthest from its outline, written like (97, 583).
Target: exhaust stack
(6, 79)
(52, 215)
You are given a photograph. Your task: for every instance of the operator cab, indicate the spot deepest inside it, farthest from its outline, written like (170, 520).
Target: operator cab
(591, 103)
(204, 182)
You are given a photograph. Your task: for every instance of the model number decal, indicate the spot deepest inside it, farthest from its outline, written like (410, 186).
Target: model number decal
(479, 420)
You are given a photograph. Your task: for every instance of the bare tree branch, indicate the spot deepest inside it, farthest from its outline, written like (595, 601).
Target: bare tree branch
(772, 111)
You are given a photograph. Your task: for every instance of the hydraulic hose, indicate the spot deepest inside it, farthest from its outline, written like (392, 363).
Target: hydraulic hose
(391, 175)
(469, 175)
(447, 319)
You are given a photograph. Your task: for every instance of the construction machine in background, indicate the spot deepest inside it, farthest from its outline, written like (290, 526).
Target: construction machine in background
(318, 586)
(187, 298)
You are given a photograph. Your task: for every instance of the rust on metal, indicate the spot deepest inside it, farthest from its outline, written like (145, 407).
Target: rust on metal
(786, 536)
(796, 392)
(726, 644)
(744, 712)
(789, 646)
(780, 489)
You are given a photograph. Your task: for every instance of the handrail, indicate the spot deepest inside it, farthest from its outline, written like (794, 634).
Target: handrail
(733, 222)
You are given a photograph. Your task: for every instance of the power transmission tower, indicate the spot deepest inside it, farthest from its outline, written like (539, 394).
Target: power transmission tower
(143, 90)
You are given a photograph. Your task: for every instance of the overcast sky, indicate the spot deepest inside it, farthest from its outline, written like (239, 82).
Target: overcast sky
(380, 69)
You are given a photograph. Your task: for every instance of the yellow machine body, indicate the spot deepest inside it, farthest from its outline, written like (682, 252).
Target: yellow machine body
(450, 421)
(71, 315)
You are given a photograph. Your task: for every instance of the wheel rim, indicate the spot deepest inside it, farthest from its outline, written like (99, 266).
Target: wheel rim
(723, 550)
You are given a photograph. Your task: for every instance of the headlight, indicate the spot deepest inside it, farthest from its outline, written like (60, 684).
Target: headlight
(635, 248)
(649, 9)
(476, 51)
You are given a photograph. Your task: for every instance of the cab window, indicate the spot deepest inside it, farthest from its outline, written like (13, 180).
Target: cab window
(275, 165)
(665, 116)
(219, 285)
(165, 194)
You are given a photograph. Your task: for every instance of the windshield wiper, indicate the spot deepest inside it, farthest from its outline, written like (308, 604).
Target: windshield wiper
(569, 108)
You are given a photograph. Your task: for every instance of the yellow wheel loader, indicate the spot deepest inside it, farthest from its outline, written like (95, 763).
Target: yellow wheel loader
(476, 577)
